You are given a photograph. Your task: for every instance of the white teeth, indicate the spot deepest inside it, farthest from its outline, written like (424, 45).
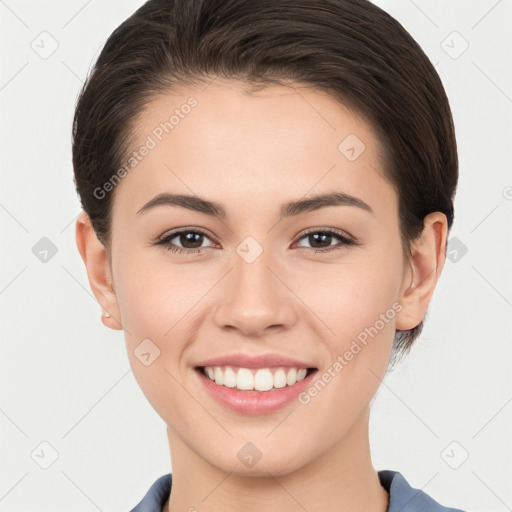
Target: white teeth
(251, 379)
(301, 374)
(244, 379)
(219, 376)
(230, 378)
(279, 379)
(263, 381)
(291, 376)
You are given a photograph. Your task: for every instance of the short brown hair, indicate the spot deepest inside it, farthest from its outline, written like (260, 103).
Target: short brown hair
(350, 49)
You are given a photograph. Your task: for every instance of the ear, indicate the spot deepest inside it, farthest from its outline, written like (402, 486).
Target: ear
(424, 269)
(98, 269)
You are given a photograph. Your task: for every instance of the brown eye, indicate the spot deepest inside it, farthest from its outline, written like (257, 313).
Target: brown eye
(321, 240)
(184, 241)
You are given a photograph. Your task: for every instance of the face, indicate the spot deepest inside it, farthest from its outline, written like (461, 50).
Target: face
(246, 274)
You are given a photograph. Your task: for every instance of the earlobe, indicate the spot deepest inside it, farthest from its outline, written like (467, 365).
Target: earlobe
(95, 258)
(426, 264)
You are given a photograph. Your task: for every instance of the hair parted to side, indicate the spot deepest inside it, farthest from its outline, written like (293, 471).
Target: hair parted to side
(351, 49)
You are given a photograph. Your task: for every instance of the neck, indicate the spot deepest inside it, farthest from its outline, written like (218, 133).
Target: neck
(342, 479)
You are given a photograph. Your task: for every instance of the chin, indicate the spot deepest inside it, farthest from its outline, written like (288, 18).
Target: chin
(250, 462)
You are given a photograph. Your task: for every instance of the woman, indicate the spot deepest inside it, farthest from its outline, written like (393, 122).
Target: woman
(267, 191)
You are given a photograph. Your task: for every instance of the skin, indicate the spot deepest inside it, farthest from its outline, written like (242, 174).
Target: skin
(252, 153)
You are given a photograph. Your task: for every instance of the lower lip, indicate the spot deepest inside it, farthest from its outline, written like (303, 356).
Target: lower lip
(254, 402)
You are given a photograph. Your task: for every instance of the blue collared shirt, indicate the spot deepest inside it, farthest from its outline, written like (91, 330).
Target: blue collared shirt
(402, 497)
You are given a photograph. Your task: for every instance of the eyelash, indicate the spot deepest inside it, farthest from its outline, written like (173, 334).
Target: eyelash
(346, 241)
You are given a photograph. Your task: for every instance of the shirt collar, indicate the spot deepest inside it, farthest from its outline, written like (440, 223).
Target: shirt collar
(402, 497)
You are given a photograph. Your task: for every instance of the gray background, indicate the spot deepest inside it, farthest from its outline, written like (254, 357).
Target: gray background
(66, 380)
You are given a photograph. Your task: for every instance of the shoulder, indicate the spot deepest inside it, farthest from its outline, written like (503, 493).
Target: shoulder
(404, 498)
(156, 496)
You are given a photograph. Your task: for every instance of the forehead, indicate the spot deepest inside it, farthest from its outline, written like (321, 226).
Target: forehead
(271, 144)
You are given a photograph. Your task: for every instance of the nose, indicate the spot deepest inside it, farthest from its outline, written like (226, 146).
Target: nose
(255, 299)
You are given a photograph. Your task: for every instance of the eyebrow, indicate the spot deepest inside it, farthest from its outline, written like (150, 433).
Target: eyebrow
(292, 208)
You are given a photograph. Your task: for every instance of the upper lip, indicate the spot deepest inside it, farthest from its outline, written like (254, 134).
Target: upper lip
(255, 361)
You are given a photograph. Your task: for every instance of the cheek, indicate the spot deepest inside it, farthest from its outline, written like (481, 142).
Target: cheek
(155, 297)
(369, 303)
(156, 308)
(366, 307)
(352, 294)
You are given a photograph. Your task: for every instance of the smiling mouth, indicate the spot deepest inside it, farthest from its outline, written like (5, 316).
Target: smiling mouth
(255, 379)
